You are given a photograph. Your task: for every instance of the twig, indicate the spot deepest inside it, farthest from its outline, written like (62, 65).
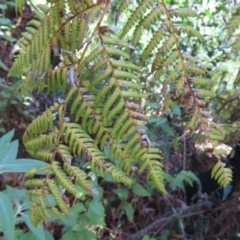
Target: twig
(168, 217)
(184, 153)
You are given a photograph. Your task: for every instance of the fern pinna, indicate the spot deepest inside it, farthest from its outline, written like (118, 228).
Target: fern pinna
(99, 116)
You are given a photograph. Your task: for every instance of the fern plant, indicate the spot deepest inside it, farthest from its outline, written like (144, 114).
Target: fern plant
(99, 116)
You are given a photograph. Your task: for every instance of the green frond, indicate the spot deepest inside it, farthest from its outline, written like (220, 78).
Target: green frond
(77, 138)
(30, 173)
(19, 5)
(119, 124)
(45, 155)
(125, 75)
(129, 85)
(117, 52)
(236, 45)
(85, 19)
(36, 39)
(94, 69)
(38, 211)
(57, 80)
(152, 17)
(205, 93)
(43, 7)
(167, 103)
(41, 124)
(118, 175)
(217, 134)
(80, 107)
(124, 64)
(154, 42)
(147, 21)
(190, 31)
(45, 141)
(92, 56)
(74, 6)
(35, 183)
(52, 185)
(37, 192)
(136, 15)
(99, 118)
(168, 45)
(233, 23)
(131, 94)
(116, 41)
(100, 78)
(58, 12)
(171, 59)
(196, 70)
(183, 13)
(133, 143)
(155, 175)
(65, 152)
(191, 124)
(124, 4)
(222, 175)
(64, 180)
(179, 88)
(80, 177)
(202, 82)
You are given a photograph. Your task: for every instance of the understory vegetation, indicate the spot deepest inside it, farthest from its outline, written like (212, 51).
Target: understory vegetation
(110, 110)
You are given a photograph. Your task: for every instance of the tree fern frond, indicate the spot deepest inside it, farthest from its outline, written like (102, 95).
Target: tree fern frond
(92, 56)
(120, 9)
(190, 31)
(45, 141)
(52, 185)
(80, 177)
(183, 12)
(116, 41)
(30, 173)
(117, 52)
(124, 64)
(152, 17)
(65, 152)
(41, 124)
(101, 83)
(233, 23)
(136, 15)
(94, 68)
(118, 175)
(75, 136)
(154, 42)
(155, 175)
(19, 5)
(221, 174)
(38, 211)
(235, 45)
(34, 183)
(205, 93)
(64, 179)
(192, 123)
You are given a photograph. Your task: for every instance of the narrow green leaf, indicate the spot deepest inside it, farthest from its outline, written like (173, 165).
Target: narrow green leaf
(37, 231)
(129, 211)
(6, 217)
(122, 193)
(21, 165)
(6, 138)
(140, 191)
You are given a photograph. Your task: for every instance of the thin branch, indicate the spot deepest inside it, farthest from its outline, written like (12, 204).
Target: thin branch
(169, 217)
